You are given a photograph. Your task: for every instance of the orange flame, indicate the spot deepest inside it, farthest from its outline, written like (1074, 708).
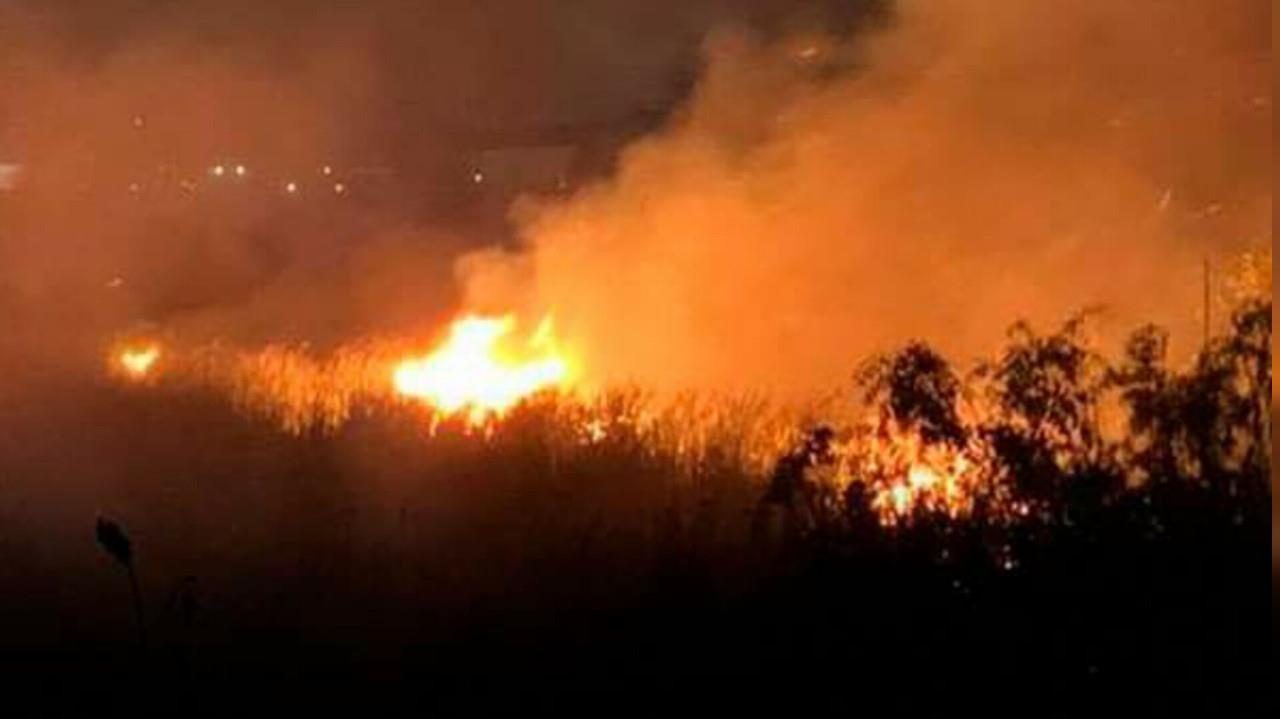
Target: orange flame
(478, 370)
(911, 476)
(137, 362)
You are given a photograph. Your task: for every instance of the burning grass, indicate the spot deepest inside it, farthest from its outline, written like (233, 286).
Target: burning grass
(934, 512)
(922, 440)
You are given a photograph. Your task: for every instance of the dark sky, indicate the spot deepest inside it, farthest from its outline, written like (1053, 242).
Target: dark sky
(447, 64)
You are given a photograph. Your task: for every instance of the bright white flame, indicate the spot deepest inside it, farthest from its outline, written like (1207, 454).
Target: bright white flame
(475, 371)
(922, 477)
(138, 361)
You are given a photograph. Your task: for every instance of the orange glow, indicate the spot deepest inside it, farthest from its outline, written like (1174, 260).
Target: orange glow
(137, 362)
(481, 371)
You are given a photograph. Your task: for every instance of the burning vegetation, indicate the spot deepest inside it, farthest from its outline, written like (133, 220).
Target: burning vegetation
(921, 440)
(648, 395)
(477, 372)
(1128, 494)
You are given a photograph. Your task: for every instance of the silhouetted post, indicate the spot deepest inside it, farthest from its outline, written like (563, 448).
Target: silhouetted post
(114, 541)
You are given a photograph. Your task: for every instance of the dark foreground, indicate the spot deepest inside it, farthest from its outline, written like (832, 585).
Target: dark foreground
(479, 593)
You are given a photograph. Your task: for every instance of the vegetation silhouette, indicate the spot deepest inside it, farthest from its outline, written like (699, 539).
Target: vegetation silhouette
(115, 542)
(1112, 532)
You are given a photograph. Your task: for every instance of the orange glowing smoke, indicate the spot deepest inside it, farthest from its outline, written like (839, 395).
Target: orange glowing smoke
(480, 370)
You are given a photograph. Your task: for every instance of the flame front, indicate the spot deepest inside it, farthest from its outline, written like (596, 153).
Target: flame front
(478, 370)
(909, 476)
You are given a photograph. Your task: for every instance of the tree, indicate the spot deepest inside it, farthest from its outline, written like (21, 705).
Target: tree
(1043, 394)
(916, 388)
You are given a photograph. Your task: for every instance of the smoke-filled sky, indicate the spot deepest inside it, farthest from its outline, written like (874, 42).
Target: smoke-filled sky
(291, 84)
(831, 177)
(975, 163)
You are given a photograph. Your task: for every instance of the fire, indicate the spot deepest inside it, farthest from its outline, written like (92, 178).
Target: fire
(922, 477)
(480, 370)
(938, 487)
(908, 476)
(137, 362)
(935, 481)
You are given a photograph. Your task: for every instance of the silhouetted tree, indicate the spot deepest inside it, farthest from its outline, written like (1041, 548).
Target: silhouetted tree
(1044, 393)
(1210, 425)
(917, 388)
(804, 503)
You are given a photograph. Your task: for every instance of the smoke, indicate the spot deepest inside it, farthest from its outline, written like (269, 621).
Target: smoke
(112, 106)
(117, 217)
(821, 197)
(824, 191)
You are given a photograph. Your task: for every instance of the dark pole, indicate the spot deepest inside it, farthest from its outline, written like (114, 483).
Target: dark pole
(137, 607)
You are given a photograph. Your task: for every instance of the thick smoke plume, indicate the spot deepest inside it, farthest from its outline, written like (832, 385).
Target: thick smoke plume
(978, 162)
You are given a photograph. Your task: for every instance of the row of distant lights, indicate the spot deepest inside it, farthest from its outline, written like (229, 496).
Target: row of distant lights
(238, 170)
(290, 187)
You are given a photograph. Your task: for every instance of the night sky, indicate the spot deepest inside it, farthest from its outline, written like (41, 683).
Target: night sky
(463, 67)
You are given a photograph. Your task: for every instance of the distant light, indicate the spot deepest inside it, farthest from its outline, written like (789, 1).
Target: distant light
(240, 170)
(218, 170)
(326, 170)
(115, 282)
(477, 177)
(291, 187)
(134, 188)
(139, 121)
(339, 188)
